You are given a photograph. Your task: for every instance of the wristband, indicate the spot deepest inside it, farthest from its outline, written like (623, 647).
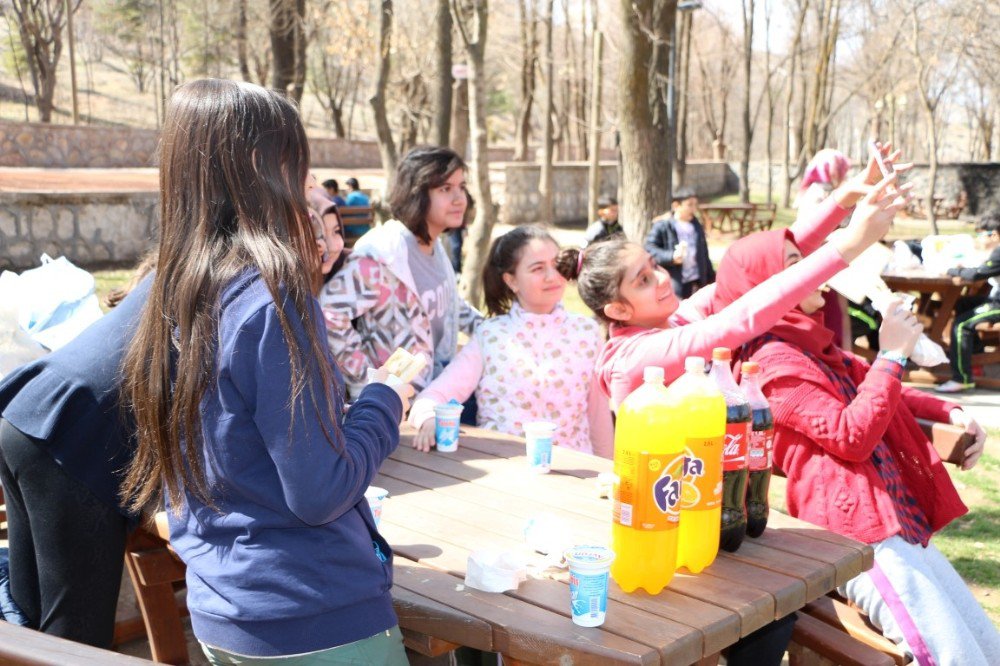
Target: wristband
(893, 356)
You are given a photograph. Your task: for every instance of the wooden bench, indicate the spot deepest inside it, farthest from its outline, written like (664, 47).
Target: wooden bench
(20, 646)
(832, 629)
(355, 216)
(429, 628)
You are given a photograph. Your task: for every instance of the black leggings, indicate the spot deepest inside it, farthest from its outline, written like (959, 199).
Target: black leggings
(66, 546)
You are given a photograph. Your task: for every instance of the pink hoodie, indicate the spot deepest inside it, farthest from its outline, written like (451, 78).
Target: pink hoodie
(695, 330)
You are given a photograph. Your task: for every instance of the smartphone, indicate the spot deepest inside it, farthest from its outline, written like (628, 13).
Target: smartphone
(884, 167)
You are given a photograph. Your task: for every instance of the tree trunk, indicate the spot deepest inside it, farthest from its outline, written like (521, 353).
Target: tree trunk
(594, 172)
(932, 158)
(301, 43)
(546, 201)
(443, 80)
(529, 62)
(642, 112)
(241, 40)
(748, 16)
(481, 228)
(683, 105)
(282, 31)
(786, 167)
(459, 140)
(386, 147)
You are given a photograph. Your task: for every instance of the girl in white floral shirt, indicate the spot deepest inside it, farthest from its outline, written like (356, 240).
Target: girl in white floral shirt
(532, 360)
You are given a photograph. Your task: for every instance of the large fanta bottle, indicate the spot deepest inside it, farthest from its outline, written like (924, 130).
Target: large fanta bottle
(649, 464)
(703, 426)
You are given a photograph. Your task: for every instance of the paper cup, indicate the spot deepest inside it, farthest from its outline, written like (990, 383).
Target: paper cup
(538, 443)
(375, 497)
(588, 583)
(447, 419)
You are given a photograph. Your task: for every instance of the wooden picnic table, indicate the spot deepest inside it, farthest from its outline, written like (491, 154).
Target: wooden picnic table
(743, 218)
(442, 506)
(926, 285)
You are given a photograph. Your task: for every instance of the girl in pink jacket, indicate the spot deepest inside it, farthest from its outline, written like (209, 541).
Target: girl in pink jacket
(620, 282)
(532, 360)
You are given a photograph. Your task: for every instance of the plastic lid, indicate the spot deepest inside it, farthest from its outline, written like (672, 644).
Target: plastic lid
(722, 354)
(694, 364)
(749, 368)
(652, 373)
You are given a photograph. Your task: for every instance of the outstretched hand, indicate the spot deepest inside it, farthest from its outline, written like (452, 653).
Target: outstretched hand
(856, 187)
(872, 217)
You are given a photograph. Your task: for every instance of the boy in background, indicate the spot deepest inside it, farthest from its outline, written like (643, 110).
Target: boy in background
(677, 243)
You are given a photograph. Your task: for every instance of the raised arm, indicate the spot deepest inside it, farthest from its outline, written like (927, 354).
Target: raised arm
(850, 432)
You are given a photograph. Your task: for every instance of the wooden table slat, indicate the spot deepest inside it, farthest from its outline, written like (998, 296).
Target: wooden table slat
(721, 628)
(522, 630)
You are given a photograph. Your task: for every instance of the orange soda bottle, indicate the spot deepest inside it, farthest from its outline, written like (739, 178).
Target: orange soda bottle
(703, 426)
(649, 464)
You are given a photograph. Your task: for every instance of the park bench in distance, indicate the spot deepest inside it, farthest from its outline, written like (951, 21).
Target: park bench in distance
(355, 216)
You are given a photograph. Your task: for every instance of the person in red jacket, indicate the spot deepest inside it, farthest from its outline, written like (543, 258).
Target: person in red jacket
(857, 462)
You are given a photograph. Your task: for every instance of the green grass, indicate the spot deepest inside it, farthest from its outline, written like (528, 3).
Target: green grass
(105, 281)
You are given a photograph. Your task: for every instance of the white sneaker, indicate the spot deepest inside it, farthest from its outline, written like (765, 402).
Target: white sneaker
(951, 386)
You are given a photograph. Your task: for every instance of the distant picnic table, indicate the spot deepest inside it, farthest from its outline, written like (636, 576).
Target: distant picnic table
(742, 218)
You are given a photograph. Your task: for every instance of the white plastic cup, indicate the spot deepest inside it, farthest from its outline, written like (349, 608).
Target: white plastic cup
(447, 419)
(538, 443)
(376, 496)
(588, 583)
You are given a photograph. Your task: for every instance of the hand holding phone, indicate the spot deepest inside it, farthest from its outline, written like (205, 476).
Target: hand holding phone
(885, 167)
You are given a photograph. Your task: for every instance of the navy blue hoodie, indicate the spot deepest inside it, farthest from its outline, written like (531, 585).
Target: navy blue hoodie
(290, 561)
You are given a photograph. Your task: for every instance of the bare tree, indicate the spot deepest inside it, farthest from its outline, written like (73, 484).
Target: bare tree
(386, 145)
(748, 8)
(288, 47)
(933, 44)
(529, 65)
(594, 171)
(40, 24)
(470, 17)
(684, 31)
(443, 80)
(547, 212)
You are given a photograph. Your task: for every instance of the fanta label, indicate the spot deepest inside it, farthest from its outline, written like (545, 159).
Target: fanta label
(702, 487)
(734, 452)
(761, 446)
(648, 496)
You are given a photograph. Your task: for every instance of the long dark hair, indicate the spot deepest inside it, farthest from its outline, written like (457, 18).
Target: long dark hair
(504, 256)
(422, 169)
(233, 161)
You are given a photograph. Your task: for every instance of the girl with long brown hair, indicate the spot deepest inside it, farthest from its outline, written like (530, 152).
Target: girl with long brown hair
(237, 401)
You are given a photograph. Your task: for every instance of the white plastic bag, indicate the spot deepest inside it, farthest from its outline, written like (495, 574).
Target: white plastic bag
(56, 302)
(903, 258)
(16, 348)
(926, 353)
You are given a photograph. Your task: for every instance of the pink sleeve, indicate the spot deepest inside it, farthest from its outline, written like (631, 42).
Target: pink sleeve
(815, 223)
(458, 381)
(751, 315)
(809, 231)
(602, 431)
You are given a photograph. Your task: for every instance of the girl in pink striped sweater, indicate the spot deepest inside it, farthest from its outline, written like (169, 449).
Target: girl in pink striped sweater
(531, 360)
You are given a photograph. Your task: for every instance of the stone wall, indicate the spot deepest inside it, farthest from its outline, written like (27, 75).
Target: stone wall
(979, 180)
(520, 199)
(88, 228)
(68, 146)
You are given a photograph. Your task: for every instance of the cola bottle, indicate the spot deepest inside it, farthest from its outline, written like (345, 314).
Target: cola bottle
(734, 452)
(761, 450)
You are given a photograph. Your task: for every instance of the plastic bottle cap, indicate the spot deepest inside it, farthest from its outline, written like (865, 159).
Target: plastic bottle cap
(694, 364)
(652, 373)
(722, 354)
(750, 368)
